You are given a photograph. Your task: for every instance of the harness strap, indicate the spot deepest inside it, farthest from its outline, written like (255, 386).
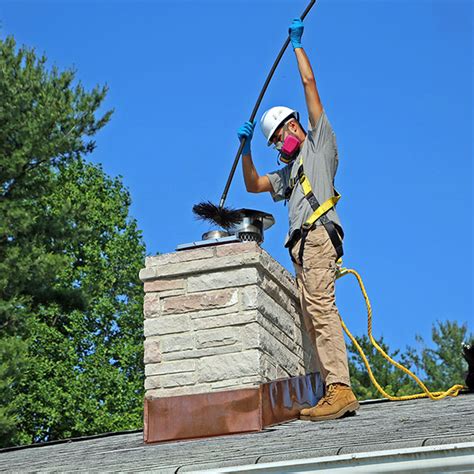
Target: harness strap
(301, 249)
(335, 238)
(319, 212)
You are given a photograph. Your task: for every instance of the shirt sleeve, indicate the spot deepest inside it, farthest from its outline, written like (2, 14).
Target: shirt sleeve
(322, 133)
(322, 140)
(279, 180)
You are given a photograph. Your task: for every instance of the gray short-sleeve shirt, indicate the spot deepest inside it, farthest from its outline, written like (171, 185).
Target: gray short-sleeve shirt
(320, 160)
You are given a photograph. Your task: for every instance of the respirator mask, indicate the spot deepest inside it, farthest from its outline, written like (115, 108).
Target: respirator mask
(288, 148)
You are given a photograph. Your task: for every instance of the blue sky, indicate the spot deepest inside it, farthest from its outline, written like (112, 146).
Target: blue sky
(395, 78)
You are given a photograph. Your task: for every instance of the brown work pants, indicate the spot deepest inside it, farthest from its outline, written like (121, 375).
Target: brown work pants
(315, 277)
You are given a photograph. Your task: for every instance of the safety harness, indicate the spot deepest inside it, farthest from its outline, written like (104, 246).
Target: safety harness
(334, 231)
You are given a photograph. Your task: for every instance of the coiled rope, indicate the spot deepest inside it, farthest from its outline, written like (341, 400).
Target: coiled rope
(452, 392)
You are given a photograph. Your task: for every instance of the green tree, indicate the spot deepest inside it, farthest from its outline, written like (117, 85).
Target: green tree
(45, 121)
(12, 363)
(70, 298)
(439, 367)
(442, 365)
(86, 374)
(391, 379)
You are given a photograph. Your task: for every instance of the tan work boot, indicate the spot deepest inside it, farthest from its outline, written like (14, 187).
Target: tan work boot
(338, 401)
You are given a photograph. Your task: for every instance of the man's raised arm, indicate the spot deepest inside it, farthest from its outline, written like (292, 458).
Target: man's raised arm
(313, 102)
(253, 181)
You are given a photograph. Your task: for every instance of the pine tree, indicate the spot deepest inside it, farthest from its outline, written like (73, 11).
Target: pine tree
(70, 297)
(391, 379)
(439, 367)
(442, 365)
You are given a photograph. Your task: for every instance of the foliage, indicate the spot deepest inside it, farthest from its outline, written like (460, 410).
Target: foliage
(45, 122)
(70, 298)
(391, 379)
(443, 364)
(12, 362)
(439, 367)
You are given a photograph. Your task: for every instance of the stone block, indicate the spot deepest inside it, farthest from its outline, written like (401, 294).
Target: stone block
(151, 305)
(147, 273)
(152, 382)
(224, 336)
(152, 351)
(200, 353)
(225, 279)
(177, 380)
(237, 249)
(167, 325)
(181, 256)
(200, 301)
(163, 285)
(165, 368)
(227, 311)
(177, 391)
(249, 297)
(202, 320)
(229, 366)
(177, 343)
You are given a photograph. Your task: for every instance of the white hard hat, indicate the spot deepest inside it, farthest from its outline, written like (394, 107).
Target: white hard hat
(275, 117)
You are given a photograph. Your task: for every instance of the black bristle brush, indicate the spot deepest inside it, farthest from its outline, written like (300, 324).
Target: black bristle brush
(223, 216)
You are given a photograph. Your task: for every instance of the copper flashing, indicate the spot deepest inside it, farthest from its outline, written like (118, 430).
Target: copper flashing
(231, 411)
(202, 415)
(283, 399)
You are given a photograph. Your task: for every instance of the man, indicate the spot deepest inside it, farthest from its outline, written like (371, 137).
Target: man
(315, 233)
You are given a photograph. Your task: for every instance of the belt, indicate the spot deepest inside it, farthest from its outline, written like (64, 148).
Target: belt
(335, 232)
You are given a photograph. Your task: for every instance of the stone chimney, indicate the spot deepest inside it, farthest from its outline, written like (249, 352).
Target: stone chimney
(225, 345)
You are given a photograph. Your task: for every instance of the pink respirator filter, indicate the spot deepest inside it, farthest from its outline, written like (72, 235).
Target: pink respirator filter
(290, 146)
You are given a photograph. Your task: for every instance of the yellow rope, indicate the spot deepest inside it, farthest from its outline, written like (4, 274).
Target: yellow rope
(453, 391)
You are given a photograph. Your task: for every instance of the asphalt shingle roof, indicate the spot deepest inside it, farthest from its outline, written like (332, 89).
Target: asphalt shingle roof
(377, 426)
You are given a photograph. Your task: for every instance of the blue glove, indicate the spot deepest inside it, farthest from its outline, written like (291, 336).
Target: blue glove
(296, 32)
(246, 131)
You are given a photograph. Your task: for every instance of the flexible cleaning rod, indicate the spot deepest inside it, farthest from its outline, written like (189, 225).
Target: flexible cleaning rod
(257, 105)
